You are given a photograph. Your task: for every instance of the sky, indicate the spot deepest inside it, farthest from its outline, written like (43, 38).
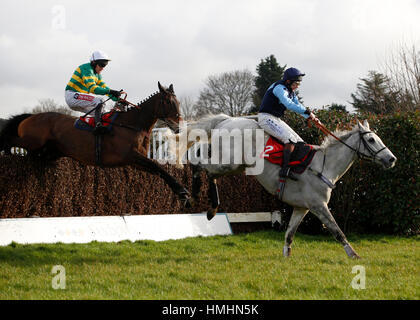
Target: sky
(182, 42)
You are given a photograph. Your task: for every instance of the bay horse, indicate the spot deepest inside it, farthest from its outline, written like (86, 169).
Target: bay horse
(312, 191)
(53, 135)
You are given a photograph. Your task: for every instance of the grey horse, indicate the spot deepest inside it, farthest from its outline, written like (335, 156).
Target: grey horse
(312, 191)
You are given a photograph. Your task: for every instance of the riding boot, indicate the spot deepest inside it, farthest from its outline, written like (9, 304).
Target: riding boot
(99, 127)
(285, 169)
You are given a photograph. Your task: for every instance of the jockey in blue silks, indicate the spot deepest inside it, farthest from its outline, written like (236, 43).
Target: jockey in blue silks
(279, 97)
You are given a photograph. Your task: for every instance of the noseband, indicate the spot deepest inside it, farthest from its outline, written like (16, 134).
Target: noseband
(372, 152)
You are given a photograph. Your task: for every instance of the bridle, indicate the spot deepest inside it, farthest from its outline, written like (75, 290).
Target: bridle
(372, 153)
(371, 157)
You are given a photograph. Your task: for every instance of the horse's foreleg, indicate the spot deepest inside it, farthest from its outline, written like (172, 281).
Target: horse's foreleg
(152, 167)
(324, 214)
(295, 220)
(213, 195)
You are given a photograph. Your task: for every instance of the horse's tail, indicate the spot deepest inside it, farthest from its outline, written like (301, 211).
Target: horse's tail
(10, 130)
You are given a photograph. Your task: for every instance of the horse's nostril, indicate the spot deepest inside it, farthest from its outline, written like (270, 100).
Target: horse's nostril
(392, 160)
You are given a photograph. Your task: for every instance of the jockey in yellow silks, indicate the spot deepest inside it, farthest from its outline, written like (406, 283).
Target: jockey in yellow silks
(85, 89)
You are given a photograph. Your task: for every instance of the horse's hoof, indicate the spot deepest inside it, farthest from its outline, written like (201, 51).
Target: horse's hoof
(211, 213)
(287, 252)
(350, 252)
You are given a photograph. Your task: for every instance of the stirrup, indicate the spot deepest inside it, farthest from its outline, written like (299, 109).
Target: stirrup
(99, 128)
(287, 173)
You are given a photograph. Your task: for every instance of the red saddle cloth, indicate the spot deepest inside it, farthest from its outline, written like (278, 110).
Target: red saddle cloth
(299, 160)
(106, 119)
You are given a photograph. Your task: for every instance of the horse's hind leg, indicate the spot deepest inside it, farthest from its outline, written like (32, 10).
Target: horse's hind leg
(295, 220)
(324, 214)
(27, 142)
(213, 195)
(196, 182)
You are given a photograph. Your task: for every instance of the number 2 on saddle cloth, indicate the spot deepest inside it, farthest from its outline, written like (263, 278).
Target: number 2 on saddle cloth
(301, 157)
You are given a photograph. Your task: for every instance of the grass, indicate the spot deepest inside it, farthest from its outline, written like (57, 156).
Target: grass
(243, 266)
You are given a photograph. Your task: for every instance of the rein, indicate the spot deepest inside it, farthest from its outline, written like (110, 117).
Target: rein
(126, 102)
(360, 155)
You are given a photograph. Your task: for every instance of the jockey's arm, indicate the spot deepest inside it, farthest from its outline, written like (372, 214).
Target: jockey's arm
(292, 104)
(96, 85)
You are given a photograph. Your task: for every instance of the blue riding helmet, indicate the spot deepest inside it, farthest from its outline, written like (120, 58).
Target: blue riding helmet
(293, 74)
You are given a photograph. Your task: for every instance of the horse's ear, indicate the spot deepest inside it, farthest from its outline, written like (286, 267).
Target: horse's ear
(171, 88)
(161, 89)
(366, 124)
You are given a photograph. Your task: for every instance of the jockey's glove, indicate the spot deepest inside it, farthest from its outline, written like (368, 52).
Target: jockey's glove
(115, 93)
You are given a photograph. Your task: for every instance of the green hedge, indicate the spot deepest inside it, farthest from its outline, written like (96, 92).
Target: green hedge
(369, 199)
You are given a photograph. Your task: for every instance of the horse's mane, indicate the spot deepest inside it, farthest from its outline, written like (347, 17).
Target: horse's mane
(144, 101)
(330, 141)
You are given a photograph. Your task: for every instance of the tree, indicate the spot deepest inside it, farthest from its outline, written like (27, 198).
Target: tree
(229, 93)
(187, 108)
(338, 107)
(49, 105)
(402, 67)
(375, 95)
(268, 72)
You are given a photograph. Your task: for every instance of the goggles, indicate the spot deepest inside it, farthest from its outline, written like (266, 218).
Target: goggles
(102, 63)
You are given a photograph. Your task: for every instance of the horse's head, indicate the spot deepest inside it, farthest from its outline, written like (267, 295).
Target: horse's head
(371, 147)
(169, 108)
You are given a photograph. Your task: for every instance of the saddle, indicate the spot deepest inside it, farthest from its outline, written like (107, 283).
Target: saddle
(88, 122)
(299, 160)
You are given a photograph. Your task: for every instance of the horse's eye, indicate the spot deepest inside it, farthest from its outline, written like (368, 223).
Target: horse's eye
(371, 140)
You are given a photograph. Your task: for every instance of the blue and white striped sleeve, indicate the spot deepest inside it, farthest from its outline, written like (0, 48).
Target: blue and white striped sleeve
(292, 104)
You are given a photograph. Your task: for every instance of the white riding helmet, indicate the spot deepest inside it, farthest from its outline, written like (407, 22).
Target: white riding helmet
(99, 55)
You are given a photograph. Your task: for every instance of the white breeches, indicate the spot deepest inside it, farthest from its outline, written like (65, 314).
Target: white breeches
(278, 128)
(82, 102)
